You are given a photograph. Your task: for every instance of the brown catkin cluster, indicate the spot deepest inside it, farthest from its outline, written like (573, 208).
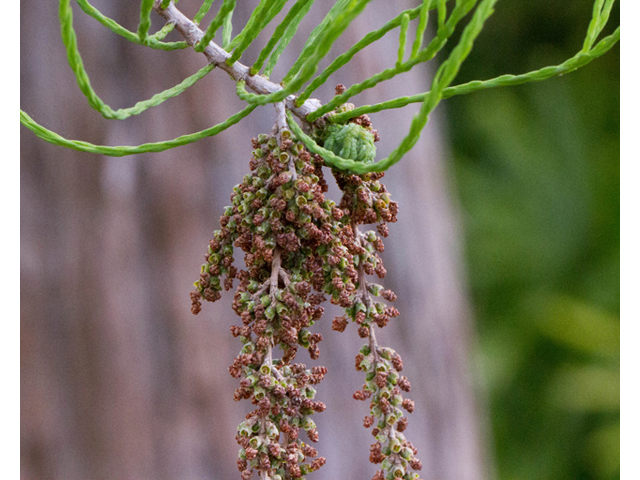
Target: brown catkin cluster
(365, 200)
(300, 247)
(288, 231)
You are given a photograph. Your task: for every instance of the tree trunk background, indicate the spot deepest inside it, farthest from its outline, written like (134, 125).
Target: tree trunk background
(118, 379)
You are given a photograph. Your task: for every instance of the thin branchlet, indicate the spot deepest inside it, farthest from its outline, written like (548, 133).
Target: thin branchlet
(317, 46)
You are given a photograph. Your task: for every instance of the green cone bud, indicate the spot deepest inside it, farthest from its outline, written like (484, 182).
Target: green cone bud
(350, 141)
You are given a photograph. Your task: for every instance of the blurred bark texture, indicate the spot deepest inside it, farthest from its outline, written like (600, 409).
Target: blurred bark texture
(119, 380)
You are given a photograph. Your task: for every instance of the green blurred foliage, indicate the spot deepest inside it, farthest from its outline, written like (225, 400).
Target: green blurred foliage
(537, 173)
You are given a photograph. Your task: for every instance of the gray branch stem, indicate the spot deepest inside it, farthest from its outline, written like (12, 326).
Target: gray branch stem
(218, 56)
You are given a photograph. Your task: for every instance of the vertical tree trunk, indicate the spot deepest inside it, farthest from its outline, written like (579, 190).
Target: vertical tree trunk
(118, 379)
